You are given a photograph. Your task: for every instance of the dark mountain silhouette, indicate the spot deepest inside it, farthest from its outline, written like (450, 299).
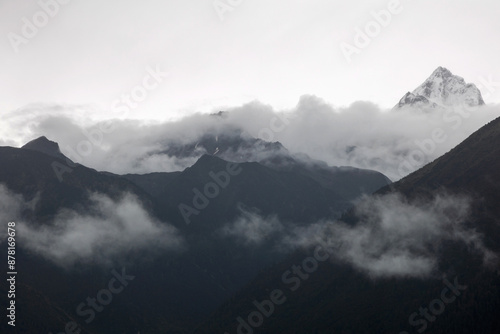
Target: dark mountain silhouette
(43, 145)
(348, 182)
(255, 186)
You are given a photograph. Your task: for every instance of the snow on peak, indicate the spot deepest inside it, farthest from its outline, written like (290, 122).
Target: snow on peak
(443, 89)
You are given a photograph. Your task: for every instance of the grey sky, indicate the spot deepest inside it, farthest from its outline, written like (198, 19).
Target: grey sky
(92, 51)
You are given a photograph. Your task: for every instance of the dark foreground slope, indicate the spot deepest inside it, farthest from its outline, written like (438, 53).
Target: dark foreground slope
(335, 298)
(471, 168)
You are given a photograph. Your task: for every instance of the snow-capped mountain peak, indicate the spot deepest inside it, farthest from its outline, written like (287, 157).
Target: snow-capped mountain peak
(443, 89)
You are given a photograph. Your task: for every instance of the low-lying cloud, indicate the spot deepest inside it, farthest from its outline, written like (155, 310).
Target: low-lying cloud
(253, 228)
(109, 231)
(396, 238)
(392, 237)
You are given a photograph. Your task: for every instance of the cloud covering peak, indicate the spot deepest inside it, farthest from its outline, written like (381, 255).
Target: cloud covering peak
(363, 135)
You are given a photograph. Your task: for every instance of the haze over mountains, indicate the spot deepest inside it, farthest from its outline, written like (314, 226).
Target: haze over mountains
(209, 213)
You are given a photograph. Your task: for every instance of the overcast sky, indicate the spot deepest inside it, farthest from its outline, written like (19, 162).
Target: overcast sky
(91, 52)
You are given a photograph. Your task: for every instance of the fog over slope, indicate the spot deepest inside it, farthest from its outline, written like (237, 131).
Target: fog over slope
(110, 230)
(398, 238)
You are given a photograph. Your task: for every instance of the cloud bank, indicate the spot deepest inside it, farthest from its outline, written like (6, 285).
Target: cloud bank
(361, 135)
(394, 142)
